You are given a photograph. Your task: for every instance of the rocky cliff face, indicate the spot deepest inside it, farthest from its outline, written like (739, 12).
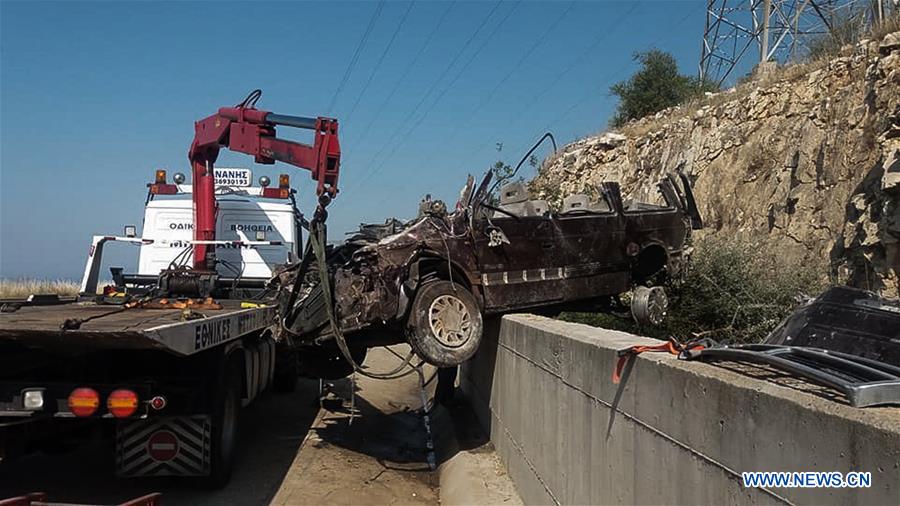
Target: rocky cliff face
(805, 163)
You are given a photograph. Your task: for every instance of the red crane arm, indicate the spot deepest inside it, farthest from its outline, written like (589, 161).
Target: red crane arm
(248, 130)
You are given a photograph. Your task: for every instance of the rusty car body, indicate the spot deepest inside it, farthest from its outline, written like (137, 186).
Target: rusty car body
(431, 280)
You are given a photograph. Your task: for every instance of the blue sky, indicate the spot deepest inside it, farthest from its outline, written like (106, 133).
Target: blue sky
(95, 96)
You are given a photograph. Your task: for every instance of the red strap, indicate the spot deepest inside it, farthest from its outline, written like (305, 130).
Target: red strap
(672, 346)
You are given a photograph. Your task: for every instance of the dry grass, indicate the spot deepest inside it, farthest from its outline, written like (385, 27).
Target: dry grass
(889, 25)
(21, 288)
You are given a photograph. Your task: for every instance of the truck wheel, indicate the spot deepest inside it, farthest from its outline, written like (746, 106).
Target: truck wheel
(649, 306)
(445, 324)
(287, 371)
(225, 422)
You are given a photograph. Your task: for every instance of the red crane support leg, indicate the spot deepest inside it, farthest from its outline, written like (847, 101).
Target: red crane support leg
(204, 190)
(245, 129)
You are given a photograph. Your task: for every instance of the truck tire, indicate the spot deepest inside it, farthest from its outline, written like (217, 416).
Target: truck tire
(287, 371)
(445, 325)
(225, 424)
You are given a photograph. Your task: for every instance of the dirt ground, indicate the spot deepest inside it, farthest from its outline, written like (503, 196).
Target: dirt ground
(291, 452)
(379, 458)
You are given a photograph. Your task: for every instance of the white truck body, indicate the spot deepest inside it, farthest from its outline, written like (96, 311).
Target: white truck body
(169, 225)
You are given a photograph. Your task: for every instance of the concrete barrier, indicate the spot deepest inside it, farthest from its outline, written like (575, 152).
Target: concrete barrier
(681, 432)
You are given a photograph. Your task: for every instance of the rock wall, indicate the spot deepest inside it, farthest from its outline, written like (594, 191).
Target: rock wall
(804, 162)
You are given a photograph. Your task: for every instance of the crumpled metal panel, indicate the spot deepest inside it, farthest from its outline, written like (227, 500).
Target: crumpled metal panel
(846, 320)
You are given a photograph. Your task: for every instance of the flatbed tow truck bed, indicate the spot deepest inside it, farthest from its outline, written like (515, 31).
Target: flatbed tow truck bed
(183, 375)
(114, 327)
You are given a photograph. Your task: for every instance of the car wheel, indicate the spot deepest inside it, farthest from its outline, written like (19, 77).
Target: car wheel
(225, 422)
(445, 325)
(649, 305)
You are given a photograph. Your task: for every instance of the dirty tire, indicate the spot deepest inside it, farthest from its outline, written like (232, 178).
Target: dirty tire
(445, 324)
(225, 422)
(287, 371)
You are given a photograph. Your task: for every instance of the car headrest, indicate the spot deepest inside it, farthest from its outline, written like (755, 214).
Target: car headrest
(513, 193)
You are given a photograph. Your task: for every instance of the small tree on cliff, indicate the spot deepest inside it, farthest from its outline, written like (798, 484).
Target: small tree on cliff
(654, 87)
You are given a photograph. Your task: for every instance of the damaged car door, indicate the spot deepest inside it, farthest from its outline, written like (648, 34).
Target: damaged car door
(591, 246)
(517, 252)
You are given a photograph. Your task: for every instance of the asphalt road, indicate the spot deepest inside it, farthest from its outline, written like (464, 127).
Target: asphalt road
(290, 452)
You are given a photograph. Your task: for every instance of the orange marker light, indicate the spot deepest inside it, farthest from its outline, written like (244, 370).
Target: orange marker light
(122, 403)
(84, 401)
(160, 177)
(284, 181)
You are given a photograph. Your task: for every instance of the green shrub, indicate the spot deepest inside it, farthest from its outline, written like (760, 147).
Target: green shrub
(657, 85)
(732, 292)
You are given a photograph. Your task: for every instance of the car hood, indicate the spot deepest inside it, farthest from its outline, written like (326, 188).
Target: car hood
(845, 320)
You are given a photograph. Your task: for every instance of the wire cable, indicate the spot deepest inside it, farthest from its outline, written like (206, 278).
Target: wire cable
(355, 58)
(384, 54)
(405, 73)
(427, 94)
(459, 74)
(590, 49)
(612, 76)
(542, 38)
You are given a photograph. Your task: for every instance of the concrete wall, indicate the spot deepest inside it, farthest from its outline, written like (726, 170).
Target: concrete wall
(682, 431)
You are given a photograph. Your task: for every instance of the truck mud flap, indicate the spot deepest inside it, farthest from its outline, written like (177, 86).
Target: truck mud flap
(176, 446)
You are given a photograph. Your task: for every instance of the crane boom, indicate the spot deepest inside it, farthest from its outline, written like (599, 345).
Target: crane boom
(245, 129)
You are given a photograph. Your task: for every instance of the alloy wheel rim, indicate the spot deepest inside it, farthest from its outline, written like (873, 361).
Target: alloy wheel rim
(450, 321)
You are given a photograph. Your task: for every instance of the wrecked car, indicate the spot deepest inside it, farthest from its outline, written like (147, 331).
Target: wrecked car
(846, 339)
(431, 281)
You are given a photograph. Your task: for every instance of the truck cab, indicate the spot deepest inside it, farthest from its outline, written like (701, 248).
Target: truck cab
(258, 228)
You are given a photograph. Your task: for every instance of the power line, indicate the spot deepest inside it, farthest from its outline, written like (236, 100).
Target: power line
(384, 53)
(537, 42)
(430, 90)
(593, 92)
(440, 96)
(604, 34)
(355, 58)
(406, 72)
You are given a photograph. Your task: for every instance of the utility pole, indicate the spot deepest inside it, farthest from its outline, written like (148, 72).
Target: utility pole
(778, 30)
(764, 41)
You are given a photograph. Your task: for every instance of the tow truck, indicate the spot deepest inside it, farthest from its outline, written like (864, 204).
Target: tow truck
(163, 359)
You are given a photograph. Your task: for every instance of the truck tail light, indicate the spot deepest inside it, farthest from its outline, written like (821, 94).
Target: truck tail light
(276, 193)
(164, 189)
(84, 401)
(158, 403)
(122, 403)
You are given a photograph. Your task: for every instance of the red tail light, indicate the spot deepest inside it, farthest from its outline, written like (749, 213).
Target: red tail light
(158, 402)
(276, 193)
(122, 403)
(84, 401)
